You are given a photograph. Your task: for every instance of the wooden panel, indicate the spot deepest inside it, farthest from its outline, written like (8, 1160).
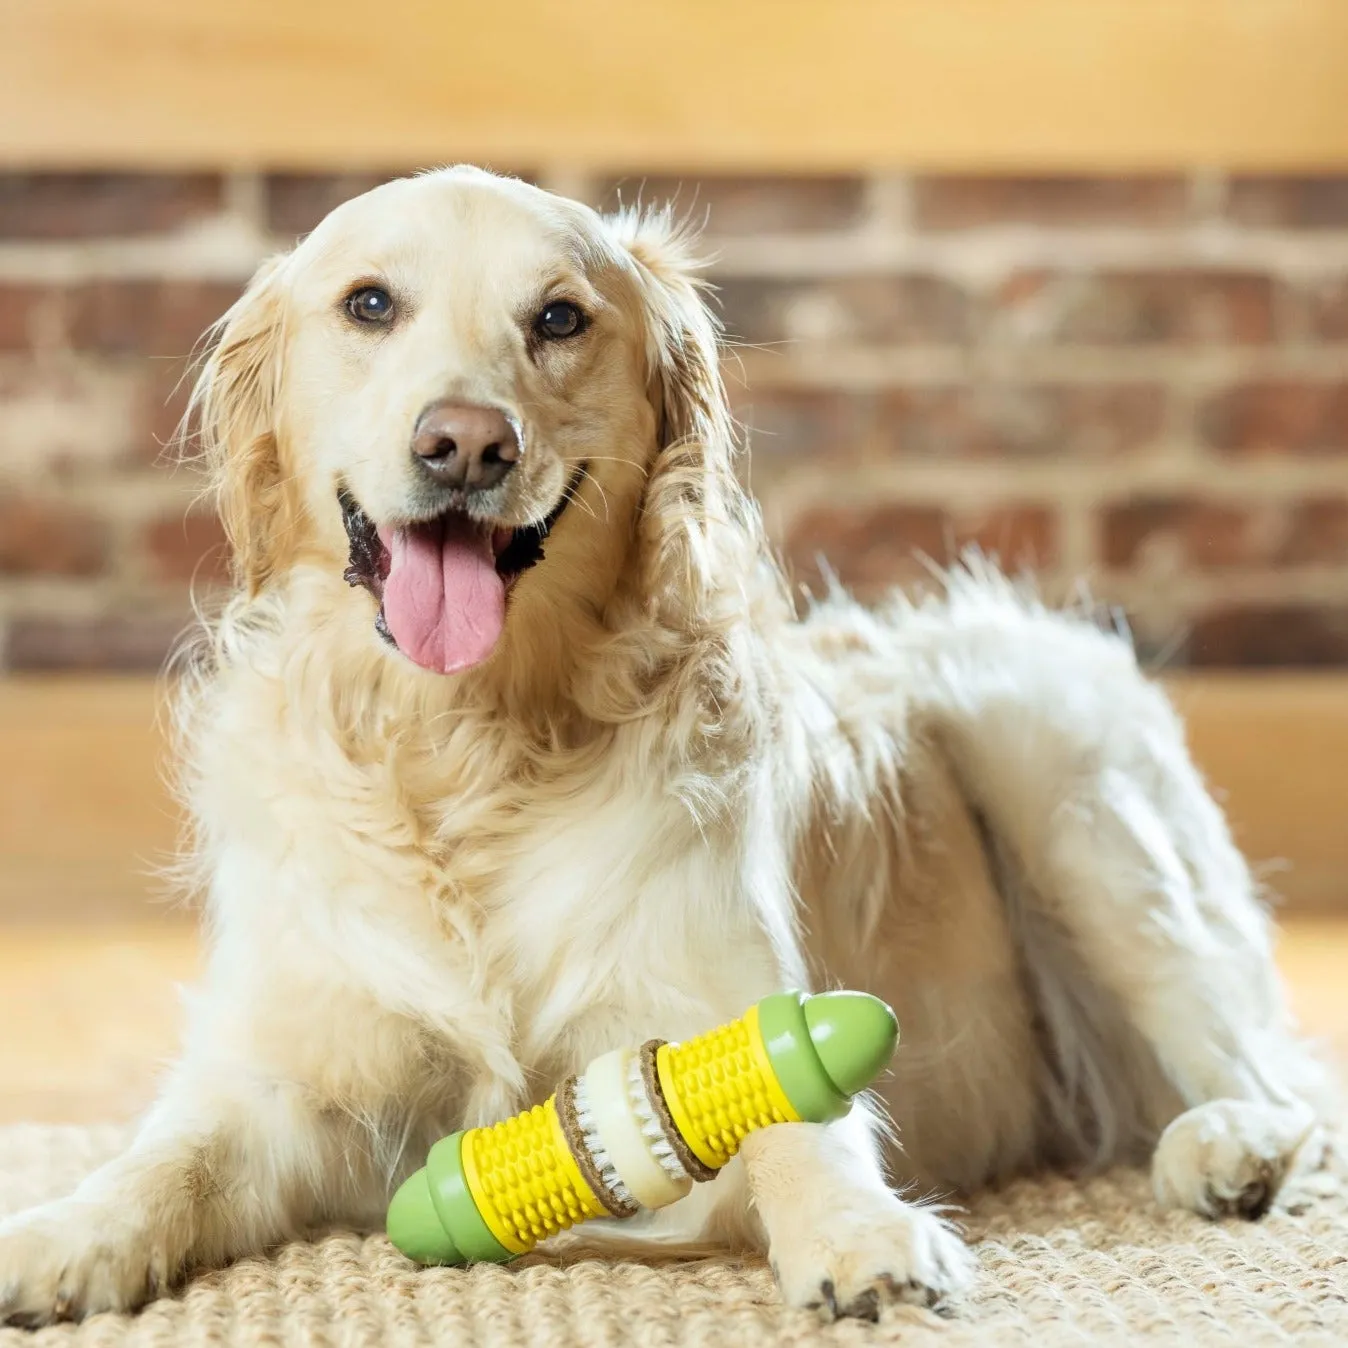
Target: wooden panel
(1275, 749)
(83, 813)
(84, 817)
(829, 84)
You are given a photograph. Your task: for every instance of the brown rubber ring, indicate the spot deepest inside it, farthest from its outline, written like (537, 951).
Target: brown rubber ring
(650, 1075)
(575, 1139)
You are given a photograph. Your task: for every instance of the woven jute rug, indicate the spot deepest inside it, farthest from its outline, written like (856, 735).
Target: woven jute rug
(1062, 1263)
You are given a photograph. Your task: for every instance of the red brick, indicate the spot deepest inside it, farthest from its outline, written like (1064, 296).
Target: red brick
(165, 388)
(1270, 635)
(63, 418)
(20, 305)
(1328, 310)
(118, 641)
(874, 309)
(792, 423)
(46, 538)
(94, 205)
(187, 548)
(296, 202)
(1020, 537)
(990, 420)
(1287, 416)
(746, 205)
(1137, 308)
(872, 548)
(146, 318)
(869, 548)
(1290, 202)
(1318, 533)
(1213, 535)
(957, 202)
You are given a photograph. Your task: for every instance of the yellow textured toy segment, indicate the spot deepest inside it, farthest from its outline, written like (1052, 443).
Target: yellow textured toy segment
(524, 1180)
(720, 1087)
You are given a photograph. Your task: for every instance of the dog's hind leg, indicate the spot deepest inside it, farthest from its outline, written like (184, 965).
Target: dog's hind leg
(1079, 767)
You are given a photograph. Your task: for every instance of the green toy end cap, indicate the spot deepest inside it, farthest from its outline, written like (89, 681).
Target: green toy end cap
(854, 1034)
(414, 1226)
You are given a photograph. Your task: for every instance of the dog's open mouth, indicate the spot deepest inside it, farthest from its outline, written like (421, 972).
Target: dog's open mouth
(441, 584)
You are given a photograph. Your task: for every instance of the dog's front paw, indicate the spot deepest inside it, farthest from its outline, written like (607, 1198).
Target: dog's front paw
(69, 1259)
(867, 1252)
(1228, 1158)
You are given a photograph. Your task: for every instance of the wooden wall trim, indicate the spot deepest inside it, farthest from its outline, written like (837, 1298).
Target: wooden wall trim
(83, 813)
(1274, 748)
(1094, 85)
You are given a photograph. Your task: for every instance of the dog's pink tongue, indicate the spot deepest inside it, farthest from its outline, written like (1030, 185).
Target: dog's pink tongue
(443, 600)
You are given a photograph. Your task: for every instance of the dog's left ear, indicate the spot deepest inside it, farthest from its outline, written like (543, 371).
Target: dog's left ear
(682, 334)
(691, 490)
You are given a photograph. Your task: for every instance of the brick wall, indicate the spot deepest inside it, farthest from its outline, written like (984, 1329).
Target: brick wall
(1142, 383)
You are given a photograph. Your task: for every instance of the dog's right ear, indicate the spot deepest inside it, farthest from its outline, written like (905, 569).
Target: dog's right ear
(233, 407)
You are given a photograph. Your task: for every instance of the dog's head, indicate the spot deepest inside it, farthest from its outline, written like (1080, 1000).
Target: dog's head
(456, 391)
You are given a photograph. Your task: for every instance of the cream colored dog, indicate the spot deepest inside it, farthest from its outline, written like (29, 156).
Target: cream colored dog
(509, 749)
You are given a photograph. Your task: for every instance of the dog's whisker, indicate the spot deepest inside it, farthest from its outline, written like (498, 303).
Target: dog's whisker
(603, 496)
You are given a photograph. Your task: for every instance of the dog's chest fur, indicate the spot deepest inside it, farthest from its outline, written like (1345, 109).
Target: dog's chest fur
(522, 915)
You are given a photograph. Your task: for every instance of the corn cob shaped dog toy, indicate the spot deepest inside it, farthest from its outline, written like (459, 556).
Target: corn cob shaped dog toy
(635, 1129)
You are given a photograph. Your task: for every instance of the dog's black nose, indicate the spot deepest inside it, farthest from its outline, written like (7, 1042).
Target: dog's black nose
(466, 446)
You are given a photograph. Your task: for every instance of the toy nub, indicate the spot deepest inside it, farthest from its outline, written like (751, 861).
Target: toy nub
(637, 1128)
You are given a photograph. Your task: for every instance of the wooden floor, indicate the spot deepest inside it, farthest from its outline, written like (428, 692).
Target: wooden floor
(87, 1020)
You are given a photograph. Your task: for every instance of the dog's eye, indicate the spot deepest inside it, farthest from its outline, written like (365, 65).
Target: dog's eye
(369, 304)
(559, 319)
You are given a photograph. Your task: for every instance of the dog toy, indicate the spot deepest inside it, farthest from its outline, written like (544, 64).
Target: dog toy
(635, 1129)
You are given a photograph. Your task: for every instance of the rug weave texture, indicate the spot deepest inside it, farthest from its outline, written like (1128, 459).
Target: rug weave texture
(1062, 1262)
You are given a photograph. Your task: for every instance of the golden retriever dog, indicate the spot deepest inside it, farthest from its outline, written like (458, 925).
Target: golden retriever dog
(511, 748)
